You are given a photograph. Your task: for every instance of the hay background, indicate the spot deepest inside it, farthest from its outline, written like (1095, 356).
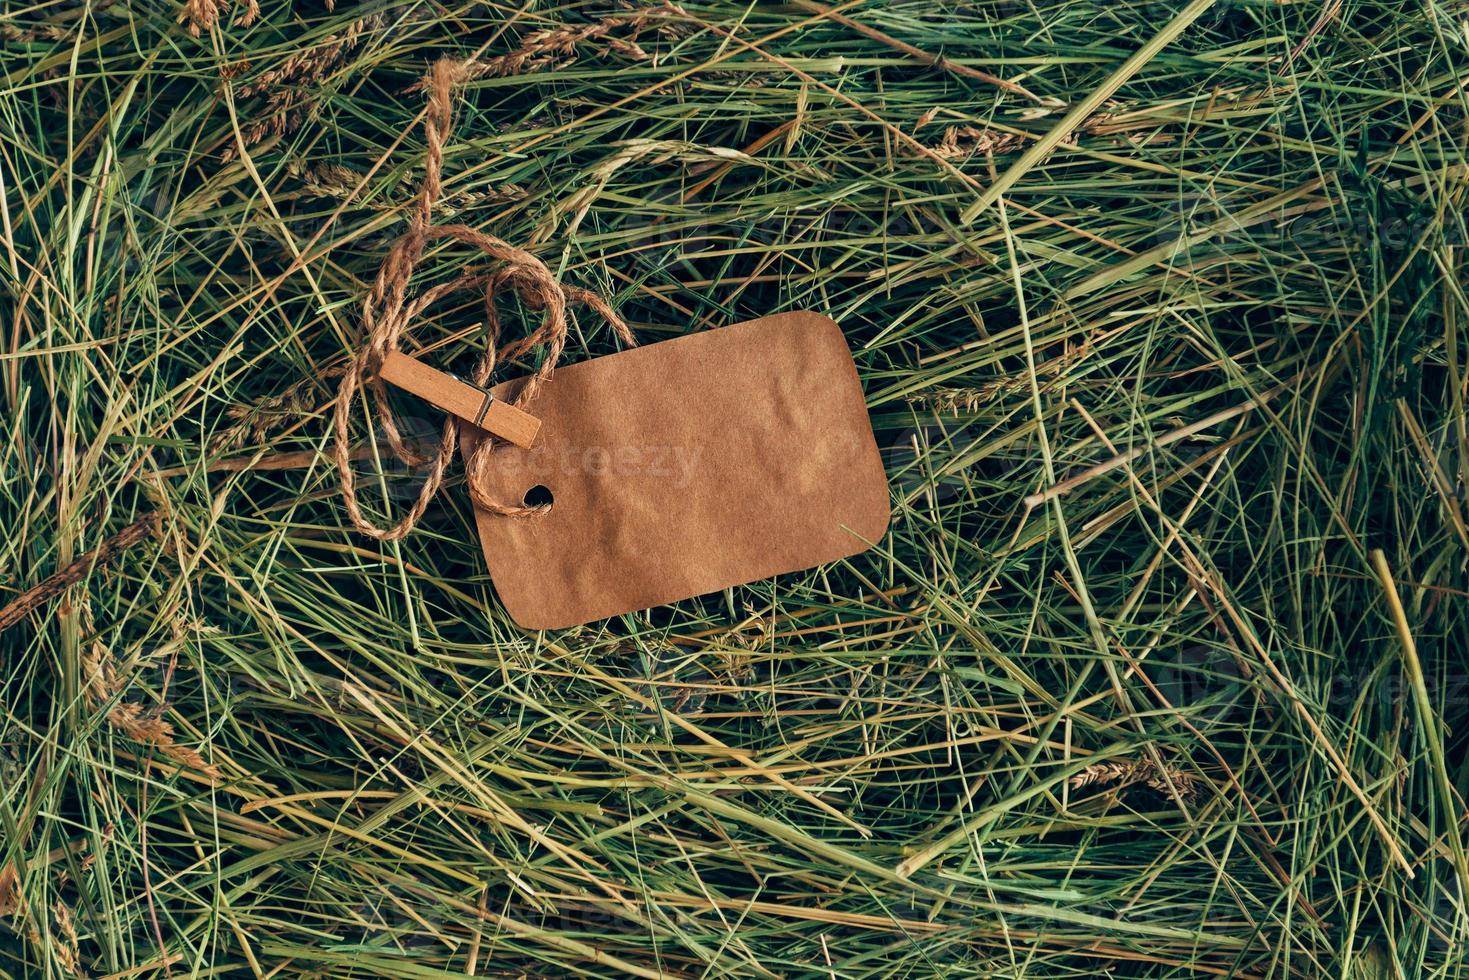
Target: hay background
(1162, 724)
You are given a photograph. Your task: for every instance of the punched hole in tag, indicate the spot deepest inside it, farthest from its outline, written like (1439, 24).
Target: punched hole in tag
(539, 495)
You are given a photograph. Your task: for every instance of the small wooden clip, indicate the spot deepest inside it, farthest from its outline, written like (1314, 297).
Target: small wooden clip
(468, 401)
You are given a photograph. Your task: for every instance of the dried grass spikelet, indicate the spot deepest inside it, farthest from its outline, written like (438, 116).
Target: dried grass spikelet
(235, 70)
(952, 401)
(129, 719)
(326, 179)
(66, 946)
(199, 16)
(10, 31)
(457, 202)
(756, 633)
(9, 891)
(966, 141)
(1140, 772)
(342, 183)
(291, 89)
(103, 683)
(960, 142)
(737, 646)
(647, 151)
(253, 422)
(686, 689)
(929, 116)
(558, 46)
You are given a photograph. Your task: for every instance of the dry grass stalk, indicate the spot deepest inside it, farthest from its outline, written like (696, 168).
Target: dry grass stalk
(21, 606)
(1140, 772)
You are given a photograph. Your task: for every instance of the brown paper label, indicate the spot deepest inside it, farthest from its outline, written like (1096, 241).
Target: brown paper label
(685, 467)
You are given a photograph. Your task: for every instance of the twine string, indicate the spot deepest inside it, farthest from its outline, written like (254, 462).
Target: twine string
(387, 313)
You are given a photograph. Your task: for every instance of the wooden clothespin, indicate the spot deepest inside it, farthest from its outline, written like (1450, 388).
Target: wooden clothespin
(476, 405)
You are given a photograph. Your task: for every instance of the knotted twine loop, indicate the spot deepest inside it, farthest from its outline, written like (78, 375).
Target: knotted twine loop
(387, 312)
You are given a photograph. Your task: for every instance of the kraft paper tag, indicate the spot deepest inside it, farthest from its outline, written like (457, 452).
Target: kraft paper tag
(682, 468)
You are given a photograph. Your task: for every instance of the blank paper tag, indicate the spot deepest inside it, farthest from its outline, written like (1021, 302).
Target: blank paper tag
(682, 468)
